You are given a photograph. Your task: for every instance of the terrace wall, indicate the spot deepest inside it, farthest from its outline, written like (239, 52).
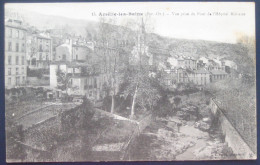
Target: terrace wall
(232, 137)
(42, 135)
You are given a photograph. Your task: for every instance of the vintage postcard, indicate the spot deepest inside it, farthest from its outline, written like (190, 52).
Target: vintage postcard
(130, 81)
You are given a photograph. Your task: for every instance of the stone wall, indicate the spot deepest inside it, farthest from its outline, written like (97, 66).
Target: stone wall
(232, 137)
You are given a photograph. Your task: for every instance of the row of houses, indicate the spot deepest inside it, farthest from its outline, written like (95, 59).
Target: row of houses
(198, 77)
(200, 71)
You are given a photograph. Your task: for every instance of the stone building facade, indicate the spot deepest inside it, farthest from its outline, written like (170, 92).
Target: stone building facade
(15, 53)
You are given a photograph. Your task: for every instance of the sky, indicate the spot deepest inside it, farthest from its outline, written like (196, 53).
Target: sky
(213, 21)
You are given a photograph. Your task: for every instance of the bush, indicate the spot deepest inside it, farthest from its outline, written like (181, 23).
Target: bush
(164, 107)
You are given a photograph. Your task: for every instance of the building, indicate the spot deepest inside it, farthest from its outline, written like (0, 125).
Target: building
(169, 78)
(199, 77)
(217, 75)
(141, 53)
(182, 75)
(81, 80)
(81, 53)
(215, 65)
(15, 53)
(70, 51)
(229, 65)
(184, 62)
(190, 63)
(39, 54)
(64, 51)
(44, 55)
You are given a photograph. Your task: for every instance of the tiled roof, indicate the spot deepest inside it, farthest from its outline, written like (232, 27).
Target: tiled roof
(43, 36)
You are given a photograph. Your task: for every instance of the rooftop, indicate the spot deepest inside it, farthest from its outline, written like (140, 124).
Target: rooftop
(201, 71)
(218, 72)
(14, 24)
(43, 36)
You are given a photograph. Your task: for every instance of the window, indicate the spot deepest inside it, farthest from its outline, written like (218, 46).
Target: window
(10, 33)
(33, 62)
(9, 60)
(17, 80)
(40, 48)
(17, 60)
(23, 80)
(17, 47)
(17, 71)
(76, 57)
(17, 34)
(64, 57)
(22, 35)
(22, 70)
(23, 48)
(22, 60)
(9, 71)
(40, 56)
(47, 56)
(9, 81)
(9, 46)
(90, 93)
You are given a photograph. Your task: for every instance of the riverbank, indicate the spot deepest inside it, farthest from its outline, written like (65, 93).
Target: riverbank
(162, 141)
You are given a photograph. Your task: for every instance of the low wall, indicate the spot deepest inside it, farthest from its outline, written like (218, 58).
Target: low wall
(232, 137)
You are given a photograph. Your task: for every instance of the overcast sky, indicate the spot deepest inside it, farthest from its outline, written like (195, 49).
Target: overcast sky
(214, 27)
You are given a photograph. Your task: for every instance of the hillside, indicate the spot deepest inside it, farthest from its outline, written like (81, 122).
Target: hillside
(43, 22)
(238, 53)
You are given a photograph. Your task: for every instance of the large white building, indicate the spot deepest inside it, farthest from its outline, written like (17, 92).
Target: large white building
(15, 53)
(81, 82)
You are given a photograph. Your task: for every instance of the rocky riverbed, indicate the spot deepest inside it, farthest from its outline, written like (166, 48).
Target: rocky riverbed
(163, 141)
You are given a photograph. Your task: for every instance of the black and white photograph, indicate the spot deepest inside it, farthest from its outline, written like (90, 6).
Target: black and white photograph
(130, 81)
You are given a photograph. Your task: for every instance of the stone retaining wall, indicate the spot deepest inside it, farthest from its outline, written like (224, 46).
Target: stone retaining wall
(232, 137)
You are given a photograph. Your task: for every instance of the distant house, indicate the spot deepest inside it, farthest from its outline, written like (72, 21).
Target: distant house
(81, 53)
(169, 79)
(81, 81)
(184, 62)
(39, 54)
(215, 65)
(44, 54)
(230, 64)
(204, 60)
(190, 63)
(200, 77)
(218, 75)
(64, 51)
(182, 75)
(173, 61)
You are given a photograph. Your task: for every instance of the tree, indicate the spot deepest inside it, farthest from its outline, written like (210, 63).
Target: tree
(141, 89)
(177, 101)
(113, 65)
(63, 80)
(139, 82)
